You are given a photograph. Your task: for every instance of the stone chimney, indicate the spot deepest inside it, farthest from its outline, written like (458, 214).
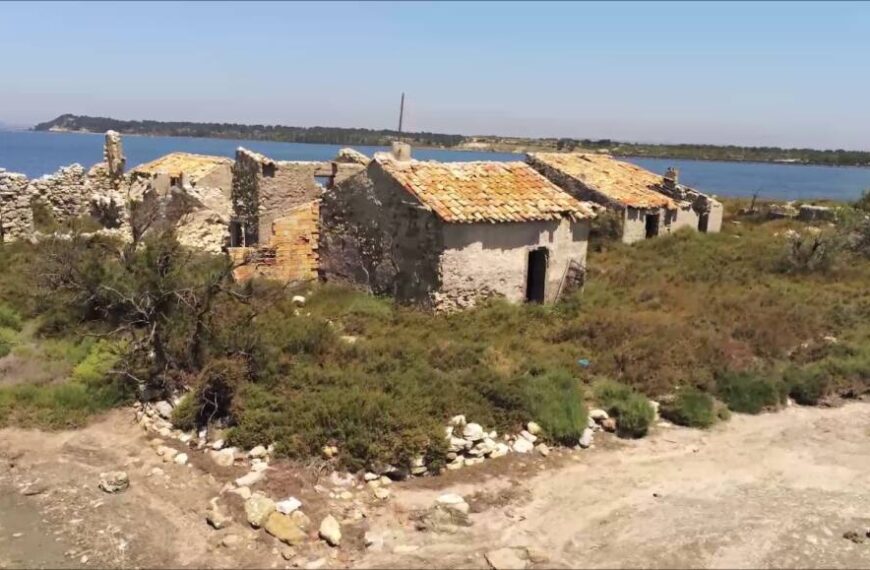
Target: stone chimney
(113, 154)
(672, 176)
(401, 151)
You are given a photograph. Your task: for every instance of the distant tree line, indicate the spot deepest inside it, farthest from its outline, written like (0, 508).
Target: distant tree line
(382, 137)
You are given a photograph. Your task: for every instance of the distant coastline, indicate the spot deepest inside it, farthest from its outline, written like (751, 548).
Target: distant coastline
(69, 123)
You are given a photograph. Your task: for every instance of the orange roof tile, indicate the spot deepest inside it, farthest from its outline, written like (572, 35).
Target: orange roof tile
(468, 192)
(622, 182)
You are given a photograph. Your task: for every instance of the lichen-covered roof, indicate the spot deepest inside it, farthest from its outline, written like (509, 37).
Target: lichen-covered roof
(468, 192)
(194, 166)
(622, 182)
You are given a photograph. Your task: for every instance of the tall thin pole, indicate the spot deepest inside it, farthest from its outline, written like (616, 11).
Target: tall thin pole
(401, 114)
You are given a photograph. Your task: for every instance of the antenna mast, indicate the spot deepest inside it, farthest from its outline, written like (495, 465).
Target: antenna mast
(401, 114)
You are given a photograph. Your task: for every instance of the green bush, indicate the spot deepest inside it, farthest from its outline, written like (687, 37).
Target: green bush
(632, 410)
(9, 318)
(750, 392)
(8, 339)
(807, 385)
(213, 392)
(690, 407)
(97, 365)
(556, 404)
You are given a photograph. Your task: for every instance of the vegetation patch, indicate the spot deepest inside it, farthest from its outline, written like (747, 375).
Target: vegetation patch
(750, 392)
(690, 407)
(632, 410)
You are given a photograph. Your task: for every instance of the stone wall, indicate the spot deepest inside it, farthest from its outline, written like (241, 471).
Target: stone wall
(291, 255)
(375, 235)
(699, 204)
(16, 215)
(484, 260)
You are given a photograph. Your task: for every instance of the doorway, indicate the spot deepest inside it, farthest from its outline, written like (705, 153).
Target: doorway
(703, 220)
(652, 225)
(536, 276)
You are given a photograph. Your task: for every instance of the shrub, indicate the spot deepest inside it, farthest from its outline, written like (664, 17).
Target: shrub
(749, 392)
(811, 250)
(9, 318)
(806, 385)
(632, 410)
(97, 365)
(690, 407)
(213, 392)
(556, 403)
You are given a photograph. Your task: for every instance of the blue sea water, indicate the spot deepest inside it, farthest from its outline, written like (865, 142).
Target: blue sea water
(38, 153)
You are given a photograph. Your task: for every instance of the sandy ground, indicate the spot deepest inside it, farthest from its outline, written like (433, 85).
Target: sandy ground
(775, 490)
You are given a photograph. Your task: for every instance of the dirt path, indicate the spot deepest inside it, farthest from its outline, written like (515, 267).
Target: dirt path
(773, 490)
(776, 490)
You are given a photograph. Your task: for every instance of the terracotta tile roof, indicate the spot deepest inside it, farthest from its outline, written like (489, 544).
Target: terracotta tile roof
(194, 166)
(622, 182)
(468, 192)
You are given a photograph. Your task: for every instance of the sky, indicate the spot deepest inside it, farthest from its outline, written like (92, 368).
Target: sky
(779, 74)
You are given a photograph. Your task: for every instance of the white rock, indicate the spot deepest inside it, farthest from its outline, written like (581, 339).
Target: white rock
(258, 508)
(493, 434)
(288, 505)
(586, 438)
(381, 493)
(181, 459)
(163, 408)
(598, 415)
(114, 481)
(533, 428)
(259, 467)
(501, 449)
(258, 451)
(474, 460)
(457, 463)
(250, 479)
(448, 432)
(330, 531)
(457, 421)
(528, 436)
(473, 432)
(224, 457)
(458, 444)
(384, 480)
(453, 501)
(543, 449)
(217, 445)
(243, 492)
(369, 476)
(298, 300)
(522, 445)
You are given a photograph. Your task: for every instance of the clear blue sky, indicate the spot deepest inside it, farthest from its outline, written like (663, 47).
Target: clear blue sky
(745, 73)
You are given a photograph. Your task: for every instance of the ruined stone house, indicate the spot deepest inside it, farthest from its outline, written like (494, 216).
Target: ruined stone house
(445, 235)
(275, 212)
(649, 204)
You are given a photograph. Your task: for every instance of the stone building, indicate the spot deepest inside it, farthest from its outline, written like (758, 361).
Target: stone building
(650, 204)
(275, 212)
(186, 170)
(445, 235)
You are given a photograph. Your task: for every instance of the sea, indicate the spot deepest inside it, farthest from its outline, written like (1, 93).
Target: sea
(39, 153)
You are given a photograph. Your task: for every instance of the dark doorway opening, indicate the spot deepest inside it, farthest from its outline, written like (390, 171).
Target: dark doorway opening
(703, 220)
(652, 225)
(236, 234)
(536, 277)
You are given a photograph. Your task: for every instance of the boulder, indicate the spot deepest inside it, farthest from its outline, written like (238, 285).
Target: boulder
(533, 428)
(225, 457)
(288, 505)
(586, 438)
(473, 432)
(114, 481)
(284, 529)
(507, 559)
(258, 508)
(217, 444)
(330, 531)
(250, 479)
(522, 445)
(216, 517)
(181, 459)
(528, 436)
(598, 415)
(257, 452)
(164, 409)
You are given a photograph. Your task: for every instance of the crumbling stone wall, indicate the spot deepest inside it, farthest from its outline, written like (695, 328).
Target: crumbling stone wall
(698, 204)
(375, 235)
(16, 215)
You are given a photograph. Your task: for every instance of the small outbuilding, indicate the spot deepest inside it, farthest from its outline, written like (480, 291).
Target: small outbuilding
(445, 235)
(650, 204)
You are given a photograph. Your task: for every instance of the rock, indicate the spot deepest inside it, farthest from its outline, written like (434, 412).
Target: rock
(474, 460)
(284, 529)
(301, 520)
(381, 493)
(288, 505)
(259, 467)
(114, 481)
(501, 449)
(473, 432)
(452, 501)
(34, 489)
(655, 406)
(598, 415)
(215, 515)
(528, 436)
(224, 457)
(250, 479)
(217, 445)
(243, 492)
(329, 451)
(457, 444)
(369, 476)
(164, 409)
(543, 449)
(537, 556)
(533, 428)
(257, 452)
(288, 552)
(181, 459)
(522, 445)
(608, 424)
(373, 541)
(384, 480)
(506, 559)
(339, 480)
(457, 463)
(330, 531)
(298, 300)
(442, 520)
(258, 508)
(591, 424)
(231, 541)
(458, 421)
(586, 438)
